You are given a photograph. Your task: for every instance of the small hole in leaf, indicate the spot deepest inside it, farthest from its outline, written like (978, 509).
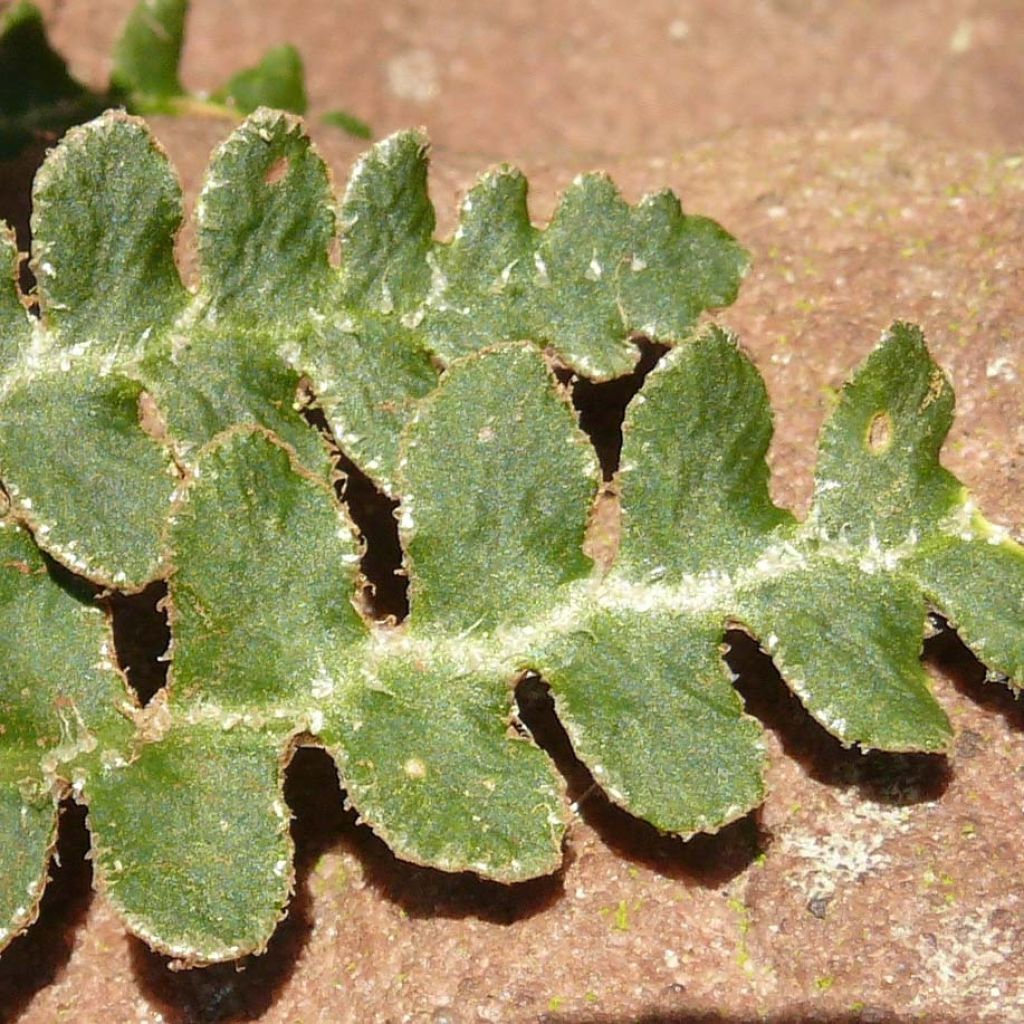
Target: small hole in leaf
(276, 171)
(880, 432)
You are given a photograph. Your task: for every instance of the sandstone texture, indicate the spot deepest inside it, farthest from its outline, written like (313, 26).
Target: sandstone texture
(871, 156)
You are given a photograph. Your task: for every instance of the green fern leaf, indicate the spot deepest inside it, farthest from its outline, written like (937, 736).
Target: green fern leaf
(64, 716)
(497, 484)
(146, 429)
(120, 333)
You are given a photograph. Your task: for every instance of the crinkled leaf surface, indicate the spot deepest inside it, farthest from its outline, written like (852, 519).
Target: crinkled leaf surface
(107, 399)
(598, 273)
(148, 429)
(74, 455)
(62, 716)
(421, 736)
(259, 591)
(838, 604)
(497, 484)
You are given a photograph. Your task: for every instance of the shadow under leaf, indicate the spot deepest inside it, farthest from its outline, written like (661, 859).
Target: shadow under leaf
(385, 584)
(16, 177)
(952, 657)
(36, 958)
(419, 891)
(245, 990)
(896, 779)
(602, 405)
(142, 637)
(706, 859)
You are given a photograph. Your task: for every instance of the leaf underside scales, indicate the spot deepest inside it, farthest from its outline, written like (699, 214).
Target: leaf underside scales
(56, 691)
(493, 538)
(30, 831)
(28, 812)
(487, 271)
(883, 444)
(496, 484)
(387, 226)
(680, 265)
(272, 316)
(494, 544)
(265, 231)
(367, 376)
(266, 225)
(73, 453)
(585, 279)
(435, 726)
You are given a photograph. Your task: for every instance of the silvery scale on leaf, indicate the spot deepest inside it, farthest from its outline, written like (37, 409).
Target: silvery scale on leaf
(152, 431)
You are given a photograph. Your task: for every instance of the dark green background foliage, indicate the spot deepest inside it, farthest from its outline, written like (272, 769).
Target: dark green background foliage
(40, 100)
